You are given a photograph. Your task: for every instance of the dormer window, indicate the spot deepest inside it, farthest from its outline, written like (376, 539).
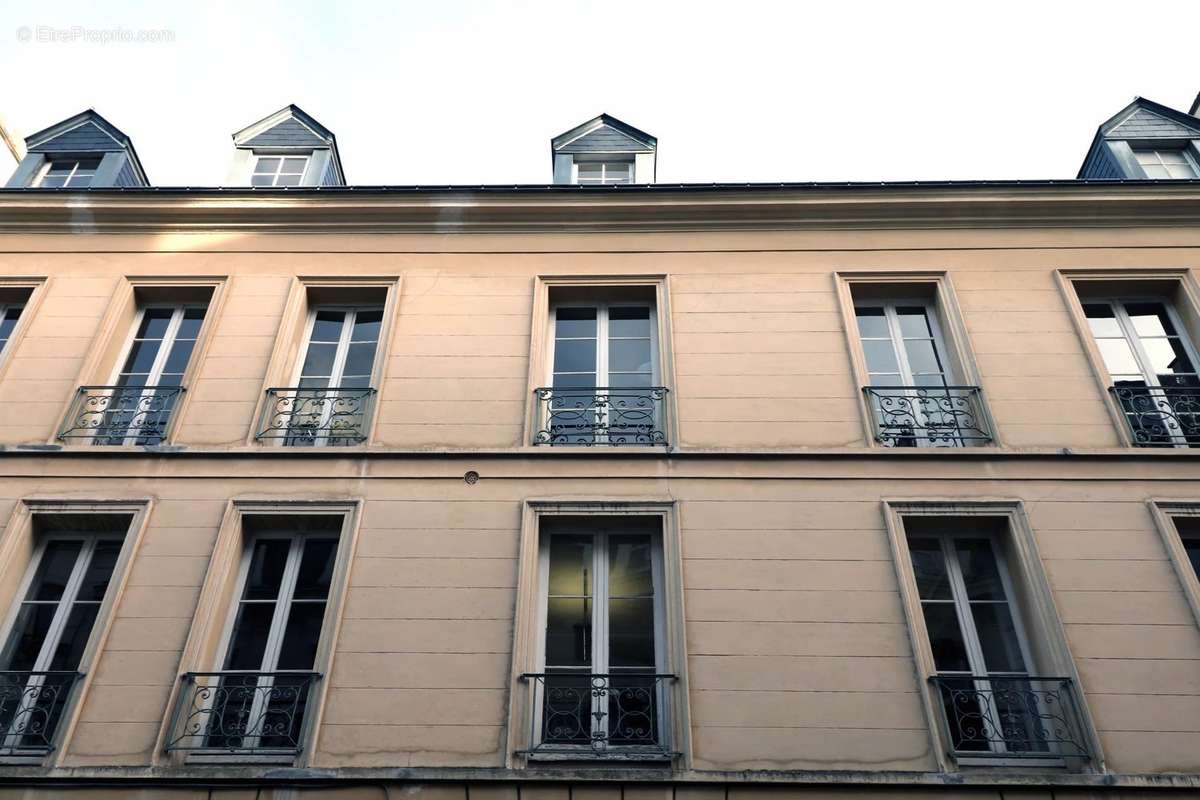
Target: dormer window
(68, 173)
(1167, 163)
(597, 173)
(278, 170)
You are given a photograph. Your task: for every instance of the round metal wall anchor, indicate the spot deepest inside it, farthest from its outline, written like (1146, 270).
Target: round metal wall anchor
(471, 477)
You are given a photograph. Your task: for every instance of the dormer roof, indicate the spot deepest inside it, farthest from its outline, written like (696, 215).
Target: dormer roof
(603, 134)
(1141, 122)
(290, 129)
(85, 133)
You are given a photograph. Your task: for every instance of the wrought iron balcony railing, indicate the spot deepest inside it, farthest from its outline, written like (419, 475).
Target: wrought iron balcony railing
(1161, 416)
(598, 415)
(31, 705)
(115, 415)
(613, 717)
(241, 713)
(300, 417)
(927, 416)
(1011, 717)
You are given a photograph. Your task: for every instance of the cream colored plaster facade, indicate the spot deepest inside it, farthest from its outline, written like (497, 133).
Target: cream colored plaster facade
(792, 626)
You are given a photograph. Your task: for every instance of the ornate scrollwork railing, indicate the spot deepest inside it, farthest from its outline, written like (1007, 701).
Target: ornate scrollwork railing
(580, 716)
(31, 704)
(601, 416)
(1161, 416)
(114, 415)
(1011, 717)
(241, 712)
(927, 416)
(305, 417)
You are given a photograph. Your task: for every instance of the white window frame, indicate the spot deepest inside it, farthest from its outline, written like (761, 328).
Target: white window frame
(75, 162)
(1134, 340)
(160, 358)
(279, 169)
(605, 165)
(1157, 153)
(601, 534)
(279, 619)
(64, 605)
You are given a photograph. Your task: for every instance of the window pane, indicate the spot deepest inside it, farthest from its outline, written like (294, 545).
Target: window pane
(294, 165)
(575, 355)
(154, 323)
(629, 321)
(979, 569)
(1118, 358)
(584, 381)
(189, 326)
(590, 171)
(287, 180)
(1102, 320)
(997, 637)
(141, 356)
(267, 165)
(327, 327)
(571, 565)
(28, 634)
(360, 359)
(99, 571)
(631, 633)
(1193, 550)
(929, 565)
(366, 326)
(262, 180)
(945, 638)
(301, 634)
(319, 359)
(58, 560)
(629, 355)
(881, 356)
(316, 569)
(266, 569)
(575, 323)
(1150, 319)
(568, 632)
(922, 356)
(913, 321)
(74, 637)
(629, 566)
(1167, 356)
(872, 323)
(249, 639)
(177, 359)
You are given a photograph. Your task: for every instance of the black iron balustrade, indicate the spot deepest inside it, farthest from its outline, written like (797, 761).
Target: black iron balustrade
(1161, 416)
(1011, 717)
(596, 415)
(241, 713)
(927, 416)
(115, 415)
(581, 716)
(301, 416)
(31, 705)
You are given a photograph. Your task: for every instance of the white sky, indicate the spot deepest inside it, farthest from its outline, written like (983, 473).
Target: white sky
(450, 91)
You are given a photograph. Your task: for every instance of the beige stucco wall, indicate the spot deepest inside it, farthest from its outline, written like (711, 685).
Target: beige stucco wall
(798, 654)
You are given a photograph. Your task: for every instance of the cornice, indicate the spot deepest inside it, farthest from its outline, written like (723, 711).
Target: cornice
(490, 209)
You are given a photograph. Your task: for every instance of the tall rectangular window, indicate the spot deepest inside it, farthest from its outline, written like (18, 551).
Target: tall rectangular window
(1152, 364)
(601, 690)
(605, 380)
(914, 394)
(332, 394)
(10, 314)
(48, 633)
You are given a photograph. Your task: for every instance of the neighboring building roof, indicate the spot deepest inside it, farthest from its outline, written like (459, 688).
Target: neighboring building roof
(603, 134)
(1140, 120)
(86, 132)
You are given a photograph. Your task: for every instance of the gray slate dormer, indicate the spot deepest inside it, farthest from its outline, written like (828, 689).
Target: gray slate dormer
(288, 148)
(1146, 140)
(84, 151)
(603, 151)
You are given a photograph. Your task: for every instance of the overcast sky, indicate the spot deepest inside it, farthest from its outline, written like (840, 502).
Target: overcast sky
(449, 91)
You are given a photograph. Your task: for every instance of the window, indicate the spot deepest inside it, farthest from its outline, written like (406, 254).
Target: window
(278, 170)
(48, 633)
(603, 172)
(604, 375)
(331, 398)
(67, 173)
(10, 314)
(137, 408)
(1152, 365)
(1167, 163)
(994, 705)
(601, 690)
(911, 388)
(257, 703)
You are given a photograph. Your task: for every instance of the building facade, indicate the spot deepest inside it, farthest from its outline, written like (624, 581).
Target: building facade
(600, 488)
